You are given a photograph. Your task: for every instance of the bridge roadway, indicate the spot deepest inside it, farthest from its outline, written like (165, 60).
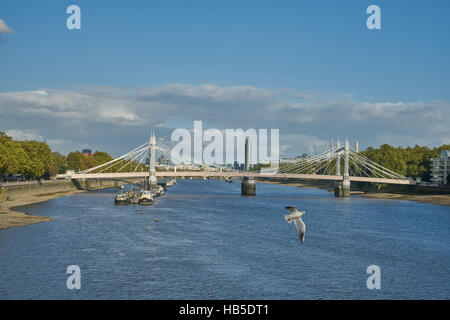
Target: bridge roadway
(235, 174)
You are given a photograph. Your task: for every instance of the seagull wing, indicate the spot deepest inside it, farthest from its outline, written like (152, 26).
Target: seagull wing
(301, 228)
(288, 218)
(291, 209)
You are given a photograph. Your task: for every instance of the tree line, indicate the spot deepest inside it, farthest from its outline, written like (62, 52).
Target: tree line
(36, 160)
(410, 161)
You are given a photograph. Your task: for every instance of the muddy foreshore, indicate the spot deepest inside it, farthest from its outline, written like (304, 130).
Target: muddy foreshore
(9, 217)
(15, 196)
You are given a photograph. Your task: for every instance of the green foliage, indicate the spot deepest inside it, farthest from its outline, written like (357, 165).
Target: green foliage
(35, 159)
(101, 157)
(410, 161)
(77, 161)
(13, 158)
(40, 159)
(60, 163)
(74, 160)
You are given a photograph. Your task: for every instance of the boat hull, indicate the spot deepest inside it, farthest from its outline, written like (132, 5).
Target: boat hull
(145, 201)
(121, 201)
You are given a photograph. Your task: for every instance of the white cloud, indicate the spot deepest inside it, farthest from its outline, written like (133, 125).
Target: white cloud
(55, 144)
(18, 134)
(4, 29)
(115, 120)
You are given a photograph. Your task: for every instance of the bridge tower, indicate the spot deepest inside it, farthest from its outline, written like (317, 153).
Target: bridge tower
(346, 181)
(152, 181)
(248, 186)
(338, 184)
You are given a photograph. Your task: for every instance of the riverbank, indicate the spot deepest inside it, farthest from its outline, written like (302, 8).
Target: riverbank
(9, 217)
(443, 200)
(439, 199)
(18, 195)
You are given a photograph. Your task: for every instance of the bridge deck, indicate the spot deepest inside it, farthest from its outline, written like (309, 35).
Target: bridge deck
(236, 174)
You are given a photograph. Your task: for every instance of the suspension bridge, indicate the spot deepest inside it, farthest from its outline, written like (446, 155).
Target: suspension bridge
(339, 164)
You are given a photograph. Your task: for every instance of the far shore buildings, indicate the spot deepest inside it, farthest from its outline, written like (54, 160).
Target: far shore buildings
(87, 152)
(440, 168)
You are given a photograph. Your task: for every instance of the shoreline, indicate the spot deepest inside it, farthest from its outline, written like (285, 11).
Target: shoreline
(442, 200)
(10, 217)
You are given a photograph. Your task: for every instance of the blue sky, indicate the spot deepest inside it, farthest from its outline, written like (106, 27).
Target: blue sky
(321, 48)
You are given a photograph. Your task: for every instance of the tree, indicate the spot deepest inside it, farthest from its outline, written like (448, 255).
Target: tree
(60, 163)
(391, 158)
(77, 161)
(35, 166)
(18, 159)
(13, 158)
(4, 137)
(40, 159)
(411, 161)
(35, 159)
(101, 157)
(74, 160)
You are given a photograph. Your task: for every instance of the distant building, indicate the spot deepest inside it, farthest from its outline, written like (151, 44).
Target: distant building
(440, 168)
(239, 166)
(86, 152)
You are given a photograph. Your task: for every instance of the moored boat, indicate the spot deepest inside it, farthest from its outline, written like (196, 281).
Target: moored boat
(160, 191)
(146, 198)
(121, 198)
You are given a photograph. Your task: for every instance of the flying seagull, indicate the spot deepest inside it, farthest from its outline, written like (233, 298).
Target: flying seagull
(296, 216)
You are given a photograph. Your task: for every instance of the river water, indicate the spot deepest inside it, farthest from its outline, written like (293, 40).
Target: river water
(212, 243)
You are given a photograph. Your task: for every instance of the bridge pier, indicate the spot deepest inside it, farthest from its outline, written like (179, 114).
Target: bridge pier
(152, 181)
(345, 189)
(248, 185)
(346, 181)
(338, 189)
(342, 188)
(338, 184)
